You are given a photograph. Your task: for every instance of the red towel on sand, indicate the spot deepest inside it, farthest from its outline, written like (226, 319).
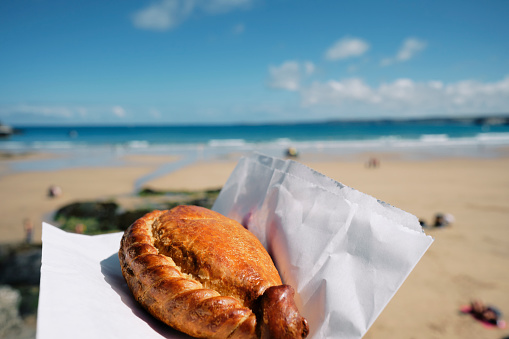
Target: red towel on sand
(467, 309)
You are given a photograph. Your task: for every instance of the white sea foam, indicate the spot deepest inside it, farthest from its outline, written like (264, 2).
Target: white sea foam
(227, 143)
(494, 138)
(434, 138)
(53, 145)
(138, 144)
(283, 141)
(220, 146)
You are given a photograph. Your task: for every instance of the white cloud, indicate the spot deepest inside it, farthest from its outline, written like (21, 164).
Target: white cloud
(55, 111)
(336, 92)
(289, 75)
(347, 48)
(286, 76)
(407, 51)
(309, 67)
(222, 6)
(167, 14)
(407, 97)
(410, 47)
(46, 113)
(163, 15)
(119, 111)
(478, 95)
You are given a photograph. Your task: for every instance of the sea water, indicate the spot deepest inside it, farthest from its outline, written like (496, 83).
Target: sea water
(100, 145)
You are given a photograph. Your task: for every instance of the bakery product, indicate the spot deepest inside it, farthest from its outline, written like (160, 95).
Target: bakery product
(206, 275)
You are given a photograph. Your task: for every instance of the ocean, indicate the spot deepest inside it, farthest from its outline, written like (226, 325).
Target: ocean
(89, 145)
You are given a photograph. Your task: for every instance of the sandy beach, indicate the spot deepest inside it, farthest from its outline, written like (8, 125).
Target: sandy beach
(466, 261)
(25, 194)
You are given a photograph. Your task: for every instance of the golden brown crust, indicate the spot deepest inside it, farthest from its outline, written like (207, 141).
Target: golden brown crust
(279, 315)
(197, 271)
(217, 251)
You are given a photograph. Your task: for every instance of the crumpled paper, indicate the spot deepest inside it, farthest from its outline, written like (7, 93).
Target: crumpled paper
(344, 252)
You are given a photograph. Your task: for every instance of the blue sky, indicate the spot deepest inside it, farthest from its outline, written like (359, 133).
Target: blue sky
(229, 61)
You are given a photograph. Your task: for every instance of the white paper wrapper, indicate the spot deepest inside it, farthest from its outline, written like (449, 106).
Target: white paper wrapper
(344, 252)
(83, 293)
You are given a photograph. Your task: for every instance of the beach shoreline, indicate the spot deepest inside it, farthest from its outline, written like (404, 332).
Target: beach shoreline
(465, 262)
(127, 173)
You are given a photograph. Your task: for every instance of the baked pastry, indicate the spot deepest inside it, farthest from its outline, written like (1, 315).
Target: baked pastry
(206, 275)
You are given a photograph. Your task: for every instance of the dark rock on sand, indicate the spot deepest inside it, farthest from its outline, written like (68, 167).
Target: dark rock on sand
(20, 271)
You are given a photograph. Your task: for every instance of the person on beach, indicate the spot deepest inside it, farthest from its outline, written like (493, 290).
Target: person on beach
(485, 313)
(28, 227)
(373, 163)
(54, 191)
(292, 152)
(442, 220)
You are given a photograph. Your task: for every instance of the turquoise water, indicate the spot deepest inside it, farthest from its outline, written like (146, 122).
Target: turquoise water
(105, 145)
(241, 135)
